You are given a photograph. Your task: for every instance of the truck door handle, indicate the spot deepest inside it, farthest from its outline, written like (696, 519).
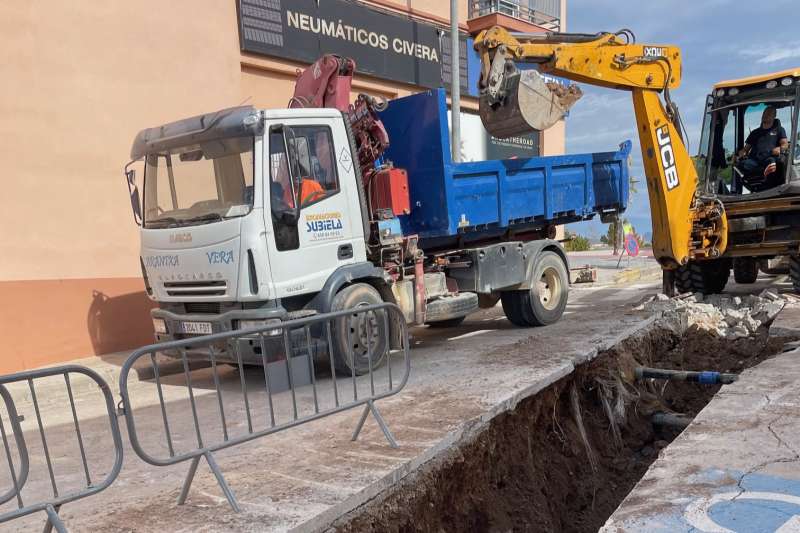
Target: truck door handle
(345, 251)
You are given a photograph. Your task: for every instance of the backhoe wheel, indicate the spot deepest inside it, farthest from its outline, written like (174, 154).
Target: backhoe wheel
(706, 277)
(545, 301)
(794, 272)
(745, 270)
(357, 335)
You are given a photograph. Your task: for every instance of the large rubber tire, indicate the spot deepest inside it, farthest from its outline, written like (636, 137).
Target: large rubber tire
(794, 272)
(706, 277)
(745, 270)
(449, 323)
(545, 301)
(350, 349)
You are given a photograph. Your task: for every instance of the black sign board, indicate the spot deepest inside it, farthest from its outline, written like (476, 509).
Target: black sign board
(382, 44)
(513, 147)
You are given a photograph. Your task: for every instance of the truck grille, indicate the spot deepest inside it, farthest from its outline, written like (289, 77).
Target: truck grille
(196, 288)
(203, 308)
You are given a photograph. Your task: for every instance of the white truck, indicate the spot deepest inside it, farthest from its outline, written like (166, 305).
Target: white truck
(254, 216)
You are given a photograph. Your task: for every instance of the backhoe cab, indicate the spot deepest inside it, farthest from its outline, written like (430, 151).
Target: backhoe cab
(762, 202)
(733, 111)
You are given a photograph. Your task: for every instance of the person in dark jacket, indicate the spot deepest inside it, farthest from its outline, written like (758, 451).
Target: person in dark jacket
(758, 160)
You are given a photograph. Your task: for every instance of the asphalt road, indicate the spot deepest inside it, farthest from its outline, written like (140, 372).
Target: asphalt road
(460, 377)
(306, 476)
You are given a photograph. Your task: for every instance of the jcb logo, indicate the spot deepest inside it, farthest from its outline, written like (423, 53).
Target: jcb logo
(667, 157)
(655, 51)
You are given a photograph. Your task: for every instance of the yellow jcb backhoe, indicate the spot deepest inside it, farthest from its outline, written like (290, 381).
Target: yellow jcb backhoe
(689, 225)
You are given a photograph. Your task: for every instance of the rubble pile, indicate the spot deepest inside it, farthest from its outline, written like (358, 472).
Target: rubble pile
(722, 315)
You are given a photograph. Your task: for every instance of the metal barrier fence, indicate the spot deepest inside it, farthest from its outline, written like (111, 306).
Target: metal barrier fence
(51, 506)
(286, 353)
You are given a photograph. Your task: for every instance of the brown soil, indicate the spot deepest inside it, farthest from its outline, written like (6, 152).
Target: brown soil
(530, 469)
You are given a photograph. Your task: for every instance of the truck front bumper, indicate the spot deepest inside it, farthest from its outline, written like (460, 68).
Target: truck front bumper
(248, 347)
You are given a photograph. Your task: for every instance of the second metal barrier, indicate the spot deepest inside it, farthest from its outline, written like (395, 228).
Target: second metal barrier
(361, 356)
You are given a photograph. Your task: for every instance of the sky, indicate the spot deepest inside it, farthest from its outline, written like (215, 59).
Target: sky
(720, 40)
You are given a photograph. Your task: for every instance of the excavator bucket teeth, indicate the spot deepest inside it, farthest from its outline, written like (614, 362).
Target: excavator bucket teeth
(529, 104)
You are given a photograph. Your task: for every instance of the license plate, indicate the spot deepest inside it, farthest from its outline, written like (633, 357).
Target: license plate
(196, 328)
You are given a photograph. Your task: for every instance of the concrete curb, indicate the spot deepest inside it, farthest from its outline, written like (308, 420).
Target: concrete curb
(466, 432)
(637, 273)
(732, 439)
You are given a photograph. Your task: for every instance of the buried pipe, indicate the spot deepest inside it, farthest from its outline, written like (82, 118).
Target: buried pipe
(671, 420)
(704, 378)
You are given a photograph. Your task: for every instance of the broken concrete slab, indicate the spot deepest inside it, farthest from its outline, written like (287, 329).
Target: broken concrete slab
(720, 314)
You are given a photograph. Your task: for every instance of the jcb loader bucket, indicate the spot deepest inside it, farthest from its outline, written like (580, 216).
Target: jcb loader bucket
(529, 104)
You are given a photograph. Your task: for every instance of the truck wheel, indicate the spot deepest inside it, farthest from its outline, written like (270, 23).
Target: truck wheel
(351, 333)
(706, 277)
(545, 301)
(449, 323)
(745, 270)
(794, 272)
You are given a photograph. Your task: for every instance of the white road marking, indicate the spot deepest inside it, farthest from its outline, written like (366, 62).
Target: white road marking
(697, 513)
(470, 334)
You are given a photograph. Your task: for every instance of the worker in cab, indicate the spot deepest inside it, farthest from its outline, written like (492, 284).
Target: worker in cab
(310, 191)
(281, 193)
(759, 160)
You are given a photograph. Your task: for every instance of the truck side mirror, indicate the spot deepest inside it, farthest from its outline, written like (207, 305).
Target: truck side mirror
(133, 190)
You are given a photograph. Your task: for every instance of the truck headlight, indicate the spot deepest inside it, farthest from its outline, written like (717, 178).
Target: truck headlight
(248, 324)
(160, 326)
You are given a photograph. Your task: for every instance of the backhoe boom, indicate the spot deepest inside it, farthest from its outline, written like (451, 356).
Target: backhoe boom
(686, 226)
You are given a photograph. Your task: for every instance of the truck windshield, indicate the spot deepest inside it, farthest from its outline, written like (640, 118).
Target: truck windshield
(199, 184)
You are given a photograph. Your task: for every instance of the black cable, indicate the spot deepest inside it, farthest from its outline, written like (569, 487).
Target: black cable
(630, 37)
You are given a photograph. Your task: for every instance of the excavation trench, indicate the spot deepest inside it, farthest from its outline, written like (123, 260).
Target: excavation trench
(565, 458)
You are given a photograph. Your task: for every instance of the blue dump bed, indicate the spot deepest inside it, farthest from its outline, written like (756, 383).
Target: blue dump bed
(469, 202)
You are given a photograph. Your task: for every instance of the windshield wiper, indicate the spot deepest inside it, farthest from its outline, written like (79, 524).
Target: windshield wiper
(207, 217)
(164, 222)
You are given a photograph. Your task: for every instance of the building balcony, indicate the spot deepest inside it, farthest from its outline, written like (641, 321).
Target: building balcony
(531, 16)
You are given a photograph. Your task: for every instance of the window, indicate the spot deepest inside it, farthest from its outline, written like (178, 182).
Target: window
(796, 162)
(752, 116)
(305, 173)
(700, 161)
(199, 184)
(723, 147)
(313, 174)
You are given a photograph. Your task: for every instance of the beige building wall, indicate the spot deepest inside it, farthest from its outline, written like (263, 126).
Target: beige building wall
(79, 80)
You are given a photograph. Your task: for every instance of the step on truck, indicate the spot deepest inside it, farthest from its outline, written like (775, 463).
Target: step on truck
(250, 217)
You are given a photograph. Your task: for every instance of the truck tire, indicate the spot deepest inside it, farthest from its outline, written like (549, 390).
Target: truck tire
(745, 270)
(350, 350)
(794, 272)
(449, 323)
(706, 277)
(545, 301)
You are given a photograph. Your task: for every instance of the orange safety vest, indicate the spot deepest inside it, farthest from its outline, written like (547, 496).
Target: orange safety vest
(310, 191)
